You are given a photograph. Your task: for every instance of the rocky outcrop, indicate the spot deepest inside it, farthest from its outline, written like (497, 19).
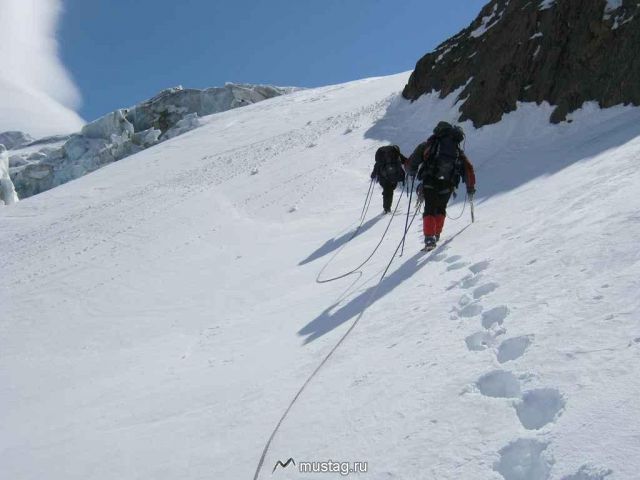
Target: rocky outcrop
(563, 52)
(36, 166)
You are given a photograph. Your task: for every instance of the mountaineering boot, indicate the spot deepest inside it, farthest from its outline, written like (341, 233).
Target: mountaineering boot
(429, 243)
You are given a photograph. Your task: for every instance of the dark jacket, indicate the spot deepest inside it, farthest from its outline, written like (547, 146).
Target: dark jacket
(383, 154)
(421, 153)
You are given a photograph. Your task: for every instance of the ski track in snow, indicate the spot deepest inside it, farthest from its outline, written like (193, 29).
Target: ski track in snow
(162, 311)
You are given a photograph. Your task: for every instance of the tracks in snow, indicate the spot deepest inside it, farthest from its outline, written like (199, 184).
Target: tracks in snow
(538, 409)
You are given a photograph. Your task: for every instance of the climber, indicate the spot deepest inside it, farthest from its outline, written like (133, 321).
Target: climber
(439, 164)
(389, 171)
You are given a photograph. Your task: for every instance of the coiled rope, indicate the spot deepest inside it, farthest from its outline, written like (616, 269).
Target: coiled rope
(464, 205)
(366, 260)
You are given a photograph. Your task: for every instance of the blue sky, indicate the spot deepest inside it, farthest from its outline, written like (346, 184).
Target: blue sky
(120, 52)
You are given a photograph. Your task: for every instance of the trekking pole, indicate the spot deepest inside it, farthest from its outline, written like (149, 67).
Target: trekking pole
(366, 199)
(406, 223)
(473, 213)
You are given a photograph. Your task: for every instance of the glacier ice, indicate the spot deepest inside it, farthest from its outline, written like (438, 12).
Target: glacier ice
(36, 166)
(8, 194)
(14, 139)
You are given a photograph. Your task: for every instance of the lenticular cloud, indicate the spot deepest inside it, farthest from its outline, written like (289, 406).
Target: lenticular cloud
(37, 94)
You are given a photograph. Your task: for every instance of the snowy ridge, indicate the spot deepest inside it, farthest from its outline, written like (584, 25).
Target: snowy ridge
(160, 327)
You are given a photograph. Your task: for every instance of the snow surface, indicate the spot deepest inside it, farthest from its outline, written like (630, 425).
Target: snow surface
(546, 4)
(618, 20)
(612, 5)
(160, 314)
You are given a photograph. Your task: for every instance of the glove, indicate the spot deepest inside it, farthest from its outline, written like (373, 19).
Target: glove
(471, 191)
(373, 175)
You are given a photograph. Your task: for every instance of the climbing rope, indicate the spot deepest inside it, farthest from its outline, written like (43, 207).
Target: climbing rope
(366, 260)
(406, 223)
(464, 205)
(367, 202)
(332, 351)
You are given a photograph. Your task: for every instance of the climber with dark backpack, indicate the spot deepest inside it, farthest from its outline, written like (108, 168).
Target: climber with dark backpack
(439, 164)
(388, 171)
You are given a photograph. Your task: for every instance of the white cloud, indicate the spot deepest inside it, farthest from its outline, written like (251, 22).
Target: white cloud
(37, 94)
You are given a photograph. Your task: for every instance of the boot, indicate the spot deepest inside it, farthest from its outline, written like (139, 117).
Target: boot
(429, 242)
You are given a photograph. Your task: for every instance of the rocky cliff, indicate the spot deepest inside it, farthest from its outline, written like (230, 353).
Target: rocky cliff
(564, 52)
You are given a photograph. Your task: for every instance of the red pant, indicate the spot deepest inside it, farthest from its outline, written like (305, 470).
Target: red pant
(436, 197)
(432, 225)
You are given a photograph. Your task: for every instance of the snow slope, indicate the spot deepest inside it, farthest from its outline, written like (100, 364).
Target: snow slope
(161, 313)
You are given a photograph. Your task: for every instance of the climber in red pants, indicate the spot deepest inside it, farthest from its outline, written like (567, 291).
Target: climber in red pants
(439, 164)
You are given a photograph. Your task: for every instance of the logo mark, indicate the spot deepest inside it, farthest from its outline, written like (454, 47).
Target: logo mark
(283, 465)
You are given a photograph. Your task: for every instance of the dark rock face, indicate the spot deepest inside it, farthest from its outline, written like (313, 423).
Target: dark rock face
(564, 52)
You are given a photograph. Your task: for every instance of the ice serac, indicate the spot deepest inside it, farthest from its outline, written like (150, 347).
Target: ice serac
(8, 194)
(14, 139)
(170, 106)
(44, 164)
(564, 53)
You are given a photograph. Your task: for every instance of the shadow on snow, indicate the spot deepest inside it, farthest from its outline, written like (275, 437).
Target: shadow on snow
(333, 317)
(335, 243)
(522, 147)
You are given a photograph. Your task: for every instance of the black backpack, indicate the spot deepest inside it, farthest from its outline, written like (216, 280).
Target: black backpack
(389, 164)
(444, 162)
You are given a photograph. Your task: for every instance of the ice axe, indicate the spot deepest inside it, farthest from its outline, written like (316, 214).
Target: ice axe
(473, 213)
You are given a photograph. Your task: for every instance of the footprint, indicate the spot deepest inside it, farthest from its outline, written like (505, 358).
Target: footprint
(513, 348)
(439, 257)
(464, 300)
(471, 310)
(453, 258)
(588, 473)
(479, 341)
(539, 407)
(494, 316)
(470, 281)
(480, 266)
(456, 266)
(523, 459)
(485, 289)
(499, 384)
